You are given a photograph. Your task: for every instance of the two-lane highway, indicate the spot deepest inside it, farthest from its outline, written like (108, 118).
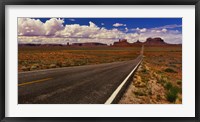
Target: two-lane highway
(90, 84)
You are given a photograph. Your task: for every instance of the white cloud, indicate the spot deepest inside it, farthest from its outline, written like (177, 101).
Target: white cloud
(33, 27)
(126, 29)
(158, 31)
(76, 30)
(89, 31)
(92, 25)
(139, 30)
(30, 27)
(118, 24)
(164, 30)
(143, 30)
(86, 33)
(72, 20)
(53, 25)
(168, 26)
(169, 36)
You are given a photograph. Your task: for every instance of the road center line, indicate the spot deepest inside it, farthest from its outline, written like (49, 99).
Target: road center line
(36, 81)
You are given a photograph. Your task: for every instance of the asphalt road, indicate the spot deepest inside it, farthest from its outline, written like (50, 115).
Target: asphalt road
(91, 84)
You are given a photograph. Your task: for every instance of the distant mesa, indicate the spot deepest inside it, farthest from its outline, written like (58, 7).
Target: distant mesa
(86, 44)
(154, 41)
(90, 44)
(149, 41)
(40, 45)
(121, 43)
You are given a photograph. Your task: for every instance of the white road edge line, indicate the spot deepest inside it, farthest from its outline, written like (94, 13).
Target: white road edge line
(114, 94)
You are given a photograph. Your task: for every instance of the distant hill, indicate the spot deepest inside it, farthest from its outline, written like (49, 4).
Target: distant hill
(149, 42)
(154, 41)
(90, 44)
(122, 43)
(40, 45)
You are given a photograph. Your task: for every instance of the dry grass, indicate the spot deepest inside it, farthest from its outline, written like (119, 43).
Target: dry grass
(35, 58)
(158, 79)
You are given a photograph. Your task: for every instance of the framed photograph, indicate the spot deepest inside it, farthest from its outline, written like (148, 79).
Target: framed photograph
(100, 60)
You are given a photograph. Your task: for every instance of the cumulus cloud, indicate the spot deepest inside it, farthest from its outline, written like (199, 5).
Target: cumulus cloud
(53, 25)
(34, 27)
(81, 31)
(53, 31)
(118, 24)
(89, 31)
(30, 27)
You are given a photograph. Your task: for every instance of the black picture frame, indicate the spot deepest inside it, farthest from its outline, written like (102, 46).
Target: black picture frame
(99, 2)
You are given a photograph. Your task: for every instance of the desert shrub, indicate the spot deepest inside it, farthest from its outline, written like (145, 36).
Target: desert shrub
(145, 79)
(59, 64)
(170, 70)
(52, 66)
(160, 60)
(172, 94)
(24, 68)
(150, 92)
(159, 72)
(162, 80)
(65, 64)
(172, 65)
(175, 62)
(158, 97)
(80, 62)
(168, 85)
(179, 82)
(34, 67)
(144, 70)
(140, 93)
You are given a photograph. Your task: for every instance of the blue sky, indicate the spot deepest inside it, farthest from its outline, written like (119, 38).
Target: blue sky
(130, 22)
(103, 30)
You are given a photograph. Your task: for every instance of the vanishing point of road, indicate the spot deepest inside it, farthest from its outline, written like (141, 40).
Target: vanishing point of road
(90, 84)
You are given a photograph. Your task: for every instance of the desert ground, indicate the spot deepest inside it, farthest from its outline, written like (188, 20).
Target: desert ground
(158, 80)
(37, 58)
